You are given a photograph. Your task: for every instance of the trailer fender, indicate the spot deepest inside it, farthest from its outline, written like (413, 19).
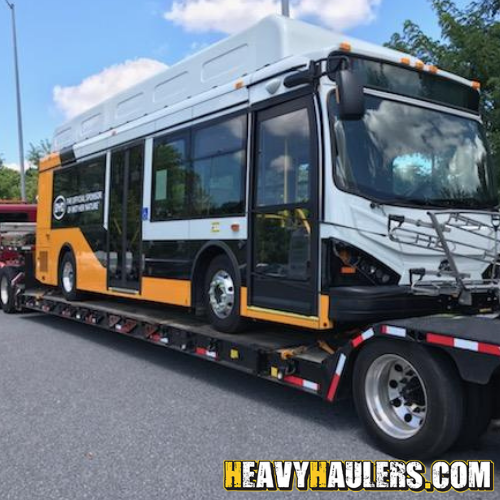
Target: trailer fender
(476, 362)
(478, 369)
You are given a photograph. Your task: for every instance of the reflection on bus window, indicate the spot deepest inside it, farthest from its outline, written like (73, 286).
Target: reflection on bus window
(206, 180)
(218, 168)
(169, 179)
(443, 162)
(285, 158)
(283, 244)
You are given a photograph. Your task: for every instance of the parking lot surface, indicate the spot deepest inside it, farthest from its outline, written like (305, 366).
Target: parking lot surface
(88, 414)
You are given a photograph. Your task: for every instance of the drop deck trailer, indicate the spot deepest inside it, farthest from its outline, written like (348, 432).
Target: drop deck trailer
(317, 363)
(312, 362)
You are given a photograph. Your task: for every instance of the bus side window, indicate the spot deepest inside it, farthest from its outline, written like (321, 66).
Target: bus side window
(169, 196)
(219, 168)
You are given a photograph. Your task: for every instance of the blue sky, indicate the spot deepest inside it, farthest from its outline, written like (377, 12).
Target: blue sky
(63, 42)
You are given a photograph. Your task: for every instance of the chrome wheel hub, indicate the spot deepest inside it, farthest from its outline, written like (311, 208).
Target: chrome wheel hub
(68, 277)
(396, 396)
(4, 290)
(221, 294)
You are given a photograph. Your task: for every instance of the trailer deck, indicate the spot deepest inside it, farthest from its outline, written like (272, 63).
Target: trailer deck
(285, 355)
(311, 361)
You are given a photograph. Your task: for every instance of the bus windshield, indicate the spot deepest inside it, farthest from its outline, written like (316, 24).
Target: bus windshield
(408, 155)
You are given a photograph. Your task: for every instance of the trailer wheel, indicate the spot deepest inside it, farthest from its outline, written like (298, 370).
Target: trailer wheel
(67, 277)
(478, 412)
(7, 291)
(409, 399)
(222, 296)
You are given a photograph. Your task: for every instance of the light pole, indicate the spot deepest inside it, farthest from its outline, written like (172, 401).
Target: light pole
(18, 95)
(285, 7)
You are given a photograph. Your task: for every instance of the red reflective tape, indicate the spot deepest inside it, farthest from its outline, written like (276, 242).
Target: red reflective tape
(332, 390)
(201, 351)
(489, 349)
(291, 379)
(357, 341)
(302, 382)
(432, 338)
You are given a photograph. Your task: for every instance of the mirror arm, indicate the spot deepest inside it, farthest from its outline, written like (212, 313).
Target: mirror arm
(308, 76)
(342, 62)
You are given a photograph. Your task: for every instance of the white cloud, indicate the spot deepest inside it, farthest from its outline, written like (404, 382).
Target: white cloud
(96, 88)
(226, 16)
(231, 16)
(339, 14)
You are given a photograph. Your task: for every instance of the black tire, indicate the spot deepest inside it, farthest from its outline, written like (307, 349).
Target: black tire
(443, 406)
(478, 412)
(228, 322)
(8, 295)
(68, 287)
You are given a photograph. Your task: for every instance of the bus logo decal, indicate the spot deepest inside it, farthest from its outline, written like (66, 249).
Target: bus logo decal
(59, 209)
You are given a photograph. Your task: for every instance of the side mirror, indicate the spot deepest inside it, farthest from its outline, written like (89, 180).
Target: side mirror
(350, 95)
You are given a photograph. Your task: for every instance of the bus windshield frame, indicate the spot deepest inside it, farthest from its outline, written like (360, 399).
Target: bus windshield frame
(391, 77)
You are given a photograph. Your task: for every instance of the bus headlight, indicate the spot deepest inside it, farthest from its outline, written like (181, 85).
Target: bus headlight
(352, 266)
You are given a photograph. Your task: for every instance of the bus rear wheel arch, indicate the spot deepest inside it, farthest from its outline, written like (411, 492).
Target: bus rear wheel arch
(67, 275)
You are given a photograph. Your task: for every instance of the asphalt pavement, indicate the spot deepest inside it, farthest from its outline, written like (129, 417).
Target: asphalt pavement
(89, 414)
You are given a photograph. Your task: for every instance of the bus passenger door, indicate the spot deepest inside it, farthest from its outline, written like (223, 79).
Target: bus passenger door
(284, 210)
(125, 219)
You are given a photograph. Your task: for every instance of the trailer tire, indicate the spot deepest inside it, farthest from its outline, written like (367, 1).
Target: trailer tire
(409, 398)
(68, 277)
(478, 412)
(222, 295)
(7, 291)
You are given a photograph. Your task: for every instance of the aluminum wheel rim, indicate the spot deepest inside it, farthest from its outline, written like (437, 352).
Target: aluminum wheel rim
(221, 294)
(396, 396)
(4, 290)
(68, 277)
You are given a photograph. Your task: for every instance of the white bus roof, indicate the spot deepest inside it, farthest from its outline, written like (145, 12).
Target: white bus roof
(273, 39)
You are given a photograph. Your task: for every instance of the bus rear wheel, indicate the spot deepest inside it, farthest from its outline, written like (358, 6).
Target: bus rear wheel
(67, 277)
(7, 291)
(399, 402)
(222, 296)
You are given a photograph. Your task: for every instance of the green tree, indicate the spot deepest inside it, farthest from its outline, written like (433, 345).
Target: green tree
(35, 154)
(469, 46)
(38, 151)
(31, 180)
(10, 180)
(9, 184)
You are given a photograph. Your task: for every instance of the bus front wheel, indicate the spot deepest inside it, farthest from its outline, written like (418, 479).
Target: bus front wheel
(222, 296)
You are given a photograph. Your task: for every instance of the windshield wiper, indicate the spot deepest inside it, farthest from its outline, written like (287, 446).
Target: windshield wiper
(469, 204)
(466, 203)
(403, 202)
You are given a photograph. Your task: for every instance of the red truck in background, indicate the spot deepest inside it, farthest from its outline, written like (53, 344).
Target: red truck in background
(17, 211)
(17, 243)
(16, 218)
